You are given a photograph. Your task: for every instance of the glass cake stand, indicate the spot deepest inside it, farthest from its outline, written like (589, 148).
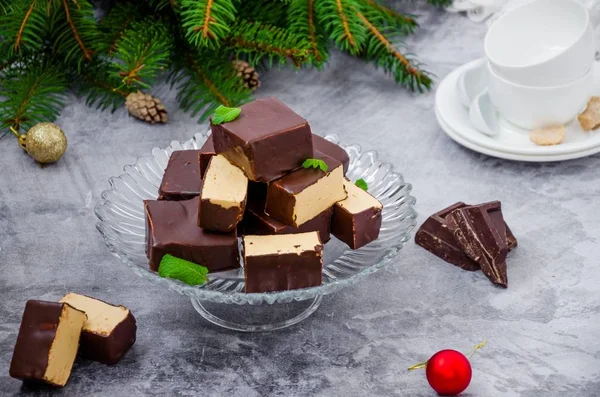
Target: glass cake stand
(222, 300)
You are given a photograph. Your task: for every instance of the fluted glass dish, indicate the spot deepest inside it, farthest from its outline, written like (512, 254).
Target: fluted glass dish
(122, 224)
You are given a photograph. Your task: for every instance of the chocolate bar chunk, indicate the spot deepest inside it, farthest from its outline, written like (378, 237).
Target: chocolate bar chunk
(206, 152)
(438, 238)
(303, 194)
(109, 331)
(357, 219)
(481, 233)
(172, 228)
(47, 342)
(257, 222)
(266, 141)
(223, 197)
(182, 176)
(282, 262)
(331, 149)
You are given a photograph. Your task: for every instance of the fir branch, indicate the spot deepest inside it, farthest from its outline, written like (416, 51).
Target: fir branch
(382, 16)
(269, 12)
(259, 41)
(100, 87)
(142, 53)
(302, 20)
(78, 36)
(113, 25)
(383, 54)
(207, 22)
(34, 93)
(23, 28)
(205, 82)
(341, 22)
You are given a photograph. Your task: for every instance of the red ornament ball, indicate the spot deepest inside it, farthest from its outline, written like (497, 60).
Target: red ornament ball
(448, 372)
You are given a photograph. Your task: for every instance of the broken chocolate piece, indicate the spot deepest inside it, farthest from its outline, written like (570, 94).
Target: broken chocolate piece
(172, 228)
(223, 197)
(205, 154)
(266, 141)
(436, 237)
(357, 219)
(47, 342)
(303, 194)
(331, 149)
(182, 176)
(480, 232)
(282, 262)
(108, 332)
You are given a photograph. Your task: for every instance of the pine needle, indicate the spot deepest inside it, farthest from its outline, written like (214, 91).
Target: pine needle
(207, 81)
(303, 21)
(34, 93)
(143, 52)
(342, 24)
(258, 41)
(207, 22)
(23, 27)
(382, 53)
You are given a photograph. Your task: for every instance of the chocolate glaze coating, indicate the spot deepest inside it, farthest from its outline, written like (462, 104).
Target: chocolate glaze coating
(481, 234)
(281, 192)
(268, 273)
(438, 238)
(109, 349)
(36, 334)
(181, 180)
(356, 230)
(257, 222)
(172, 228)
(266, 141)
(205, 154)
(322, 145)
(218, 219)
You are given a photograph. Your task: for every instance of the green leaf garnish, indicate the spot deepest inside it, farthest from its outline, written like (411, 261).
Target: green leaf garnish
(182, 270)
(223, 114)
(315, 163)
(362, 184)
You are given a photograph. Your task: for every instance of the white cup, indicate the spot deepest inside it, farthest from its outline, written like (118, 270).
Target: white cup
(536, 107)
(542, 43)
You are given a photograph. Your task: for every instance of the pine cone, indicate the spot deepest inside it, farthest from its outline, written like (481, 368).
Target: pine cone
(247, 73)
(145, 107)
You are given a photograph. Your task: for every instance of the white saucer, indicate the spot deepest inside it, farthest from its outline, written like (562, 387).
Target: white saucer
(541, 158)
(511, 140)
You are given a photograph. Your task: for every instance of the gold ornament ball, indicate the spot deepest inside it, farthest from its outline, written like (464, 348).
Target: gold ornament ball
(45, 142)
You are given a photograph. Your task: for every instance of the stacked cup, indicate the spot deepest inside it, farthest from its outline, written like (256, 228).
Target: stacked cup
(540, 59)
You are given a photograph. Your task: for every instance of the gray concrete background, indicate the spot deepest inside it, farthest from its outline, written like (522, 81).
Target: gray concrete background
(543, 331)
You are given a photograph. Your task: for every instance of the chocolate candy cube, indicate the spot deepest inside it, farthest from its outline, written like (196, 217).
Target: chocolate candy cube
(357, 219)
(257, 222)
(266, 141)
(282, 262)
(223, 198)
(109, 331)
(329, 148)
(47, 342)
(206, 152)
(305, 193)
(182, 176)
(172, 228)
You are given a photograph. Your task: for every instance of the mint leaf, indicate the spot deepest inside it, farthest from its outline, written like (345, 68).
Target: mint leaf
(223, 114)
(182, 270)
(315, 163)
(362, 184)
